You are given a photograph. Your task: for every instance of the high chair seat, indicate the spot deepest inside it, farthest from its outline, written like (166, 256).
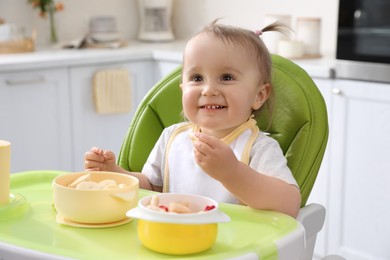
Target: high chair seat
(299, 123)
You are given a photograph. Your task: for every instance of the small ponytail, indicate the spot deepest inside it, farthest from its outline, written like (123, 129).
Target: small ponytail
(275, 27)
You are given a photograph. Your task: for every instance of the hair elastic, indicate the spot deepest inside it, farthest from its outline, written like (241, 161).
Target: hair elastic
(258, 32)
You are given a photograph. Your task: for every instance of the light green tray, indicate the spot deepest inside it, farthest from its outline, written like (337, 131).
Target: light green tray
(248, 231)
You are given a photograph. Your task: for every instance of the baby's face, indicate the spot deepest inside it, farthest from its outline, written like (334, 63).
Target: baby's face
(221, 85)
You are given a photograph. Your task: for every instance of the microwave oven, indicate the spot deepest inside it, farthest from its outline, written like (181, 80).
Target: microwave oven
(363, 40)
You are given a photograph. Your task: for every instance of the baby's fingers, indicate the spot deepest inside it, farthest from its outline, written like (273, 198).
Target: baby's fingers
(96, 150)
(108, 155)
(92, 156)
(92, 166)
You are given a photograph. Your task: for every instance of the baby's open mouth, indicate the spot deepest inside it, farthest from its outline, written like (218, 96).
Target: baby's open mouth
(212, 107)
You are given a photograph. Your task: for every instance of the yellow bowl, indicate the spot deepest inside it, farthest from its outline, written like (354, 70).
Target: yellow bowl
(178, 234)
(95, 206)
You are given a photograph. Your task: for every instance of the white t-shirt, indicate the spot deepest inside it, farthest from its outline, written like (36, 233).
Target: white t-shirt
(185, 176)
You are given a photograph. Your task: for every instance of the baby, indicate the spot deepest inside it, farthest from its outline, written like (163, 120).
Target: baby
(219, 152)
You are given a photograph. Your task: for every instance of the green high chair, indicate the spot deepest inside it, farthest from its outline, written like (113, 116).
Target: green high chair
(299, 124)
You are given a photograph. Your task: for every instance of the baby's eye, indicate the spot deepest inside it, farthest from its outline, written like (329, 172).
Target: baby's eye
(227, 77)
(197, 78)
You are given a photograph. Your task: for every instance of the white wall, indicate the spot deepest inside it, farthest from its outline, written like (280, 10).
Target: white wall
(191, 15)
(188, 16)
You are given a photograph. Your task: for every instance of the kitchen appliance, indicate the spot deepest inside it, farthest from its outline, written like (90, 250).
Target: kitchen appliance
(155, 20)
(363, 40)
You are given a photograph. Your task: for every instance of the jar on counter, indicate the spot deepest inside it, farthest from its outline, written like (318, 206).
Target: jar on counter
(155, 20)
(308, 31)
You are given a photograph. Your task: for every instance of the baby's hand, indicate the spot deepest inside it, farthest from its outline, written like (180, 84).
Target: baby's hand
(99, 160)
(214, 156)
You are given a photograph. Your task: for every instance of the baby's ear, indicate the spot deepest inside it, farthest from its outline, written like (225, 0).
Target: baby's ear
(262, 96)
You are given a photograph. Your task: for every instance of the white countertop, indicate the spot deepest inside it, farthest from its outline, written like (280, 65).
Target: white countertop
(170, 52)
(318, 68)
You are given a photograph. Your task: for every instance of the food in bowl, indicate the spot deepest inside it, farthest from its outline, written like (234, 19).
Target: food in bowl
(175, 207)
(178, 233)
(84, 182)
(98, 205)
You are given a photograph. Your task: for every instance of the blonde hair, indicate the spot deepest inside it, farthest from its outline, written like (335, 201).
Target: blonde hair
(250, 40)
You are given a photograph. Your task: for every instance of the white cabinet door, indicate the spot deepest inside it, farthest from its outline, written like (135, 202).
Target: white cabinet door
(359, 208)
(320, 189)
(105, 131)
(35, 118)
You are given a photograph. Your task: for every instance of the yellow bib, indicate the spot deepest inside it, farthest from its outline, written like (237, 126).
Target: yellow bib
(250, 124)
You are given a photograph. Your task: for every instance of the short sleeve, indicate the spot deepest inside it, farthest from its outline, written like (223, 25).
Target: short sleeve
(267, 158)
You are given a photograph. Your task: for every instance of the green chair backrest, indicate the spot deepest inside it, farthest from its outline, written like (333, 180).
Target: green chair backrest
(299, 121)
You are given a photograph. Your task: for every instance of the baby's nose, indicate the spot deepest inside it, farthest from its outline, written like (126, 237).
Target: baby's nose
(210, 89)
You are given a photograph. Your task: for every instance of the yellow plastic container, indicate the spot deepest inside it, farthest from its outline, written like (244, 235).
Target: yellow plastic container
(177, 239)
(178, 234)
(95, 206)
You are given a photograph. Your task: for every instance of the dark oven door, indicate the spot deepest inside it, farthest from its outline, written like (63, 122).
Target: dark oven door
(363, 40)
(364, 30)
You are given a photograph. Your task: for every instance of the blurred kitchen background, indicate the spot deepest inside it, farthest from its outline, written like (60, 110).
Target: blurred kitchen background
(48, 113)
(188, 16)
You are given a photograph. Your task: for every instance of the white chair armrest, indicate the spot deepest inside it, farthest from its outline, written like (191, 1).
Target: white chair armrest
(312, 218)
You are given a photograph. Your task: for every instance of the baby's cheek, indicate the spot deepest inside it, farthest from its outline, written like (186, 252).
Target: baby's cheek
(190, 105)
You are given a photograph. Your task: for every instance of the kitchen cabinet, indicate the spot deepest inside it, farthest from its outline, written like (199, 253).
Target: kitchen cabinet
(358, 195)
(49, 115)
(105, 131)
(354, 178)
(35, 118)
